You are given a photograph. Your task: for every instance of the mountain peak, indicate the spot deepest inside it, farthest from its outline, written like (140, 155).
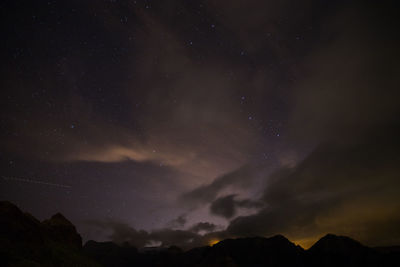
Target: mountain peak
(58, 219)
(331, 243)
(62, 230)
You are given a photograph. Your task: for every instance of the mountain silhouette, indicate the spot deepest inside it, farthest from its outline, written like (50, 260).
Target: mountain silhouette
(333, 250)
(110, 254)
(62, 230)
(25, 241)
(254, 251)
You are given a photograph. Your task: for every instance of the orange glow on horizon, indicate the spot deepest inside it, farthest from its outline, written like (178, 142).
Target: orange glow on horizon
(305, 243)
(212, 242)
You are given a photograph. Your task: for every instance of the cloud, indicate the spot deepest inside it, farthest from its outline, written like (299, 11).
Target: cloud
(350, 189)
(224, 206)
(227, 206)
(341, 93)
(178, 222)
(240, 179)
(344, 108)
(160, 110)
(120, 233)
(203, 226)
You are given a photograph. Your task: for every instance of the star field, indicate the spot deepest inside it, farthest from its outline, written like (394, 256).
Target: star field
(210, 118)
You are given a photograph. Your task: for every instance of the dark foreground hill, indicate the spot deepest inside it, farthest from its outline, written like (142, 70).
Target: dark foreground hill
(24, 241)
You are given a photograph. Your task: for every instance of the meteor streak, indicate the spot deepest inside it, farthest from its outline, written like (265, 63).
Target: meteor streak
(7, 178)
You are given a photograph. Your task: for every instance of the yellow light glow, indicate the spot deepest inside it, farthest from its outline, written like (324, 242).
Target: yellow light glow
(212, 242)
(305, 243)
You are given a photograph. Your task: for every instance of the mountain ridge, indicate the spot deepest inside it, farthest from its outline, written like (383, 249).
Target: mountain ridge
(25, 241)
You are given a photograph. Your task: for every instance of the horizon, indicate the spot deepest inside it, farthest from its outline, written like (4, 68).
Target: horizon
(185, 122)
(210, 242)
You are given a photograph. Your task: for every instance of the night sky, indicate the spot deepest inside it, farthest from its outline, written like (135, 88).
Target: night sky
(186, 122)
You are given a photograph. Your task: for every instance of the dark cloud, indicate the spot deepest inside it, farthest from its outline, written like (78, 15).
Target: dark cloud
(180, 238)
(120, 232)
(224, 206)
(203, 226)
(241, 178)
(227, 206)
(249, 203)
(178, 222)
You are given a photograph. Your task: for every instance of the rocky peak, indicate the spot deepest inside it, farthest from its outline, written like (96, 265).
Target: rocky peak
(16, 225)
(62, 230)
(58, 219)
